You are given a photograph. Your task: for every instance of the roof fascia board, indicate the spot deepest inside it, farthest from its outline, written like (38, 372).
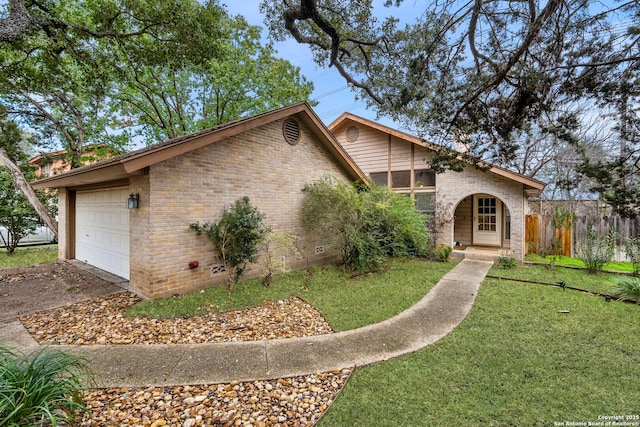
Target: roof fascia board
(111, 171)
(530, 182)
(332, 144)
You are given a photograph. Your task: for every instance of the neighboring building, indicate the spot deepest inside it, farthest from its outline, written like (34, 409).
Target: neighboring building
(55, 162)
(269, 158)
(473, 207)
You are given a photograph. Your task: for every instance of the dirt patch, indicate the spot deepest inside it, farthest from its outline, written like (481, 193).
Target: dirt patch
(24, 290)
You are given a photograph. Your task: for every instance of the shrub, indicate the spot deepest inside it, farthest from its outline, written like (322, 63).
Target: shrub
(626, 289)
(595, 251)
(275, 243)
(40, 387)
(237, 236)
(507, 262)
(632, 250)
(367, 225)
(444, 253)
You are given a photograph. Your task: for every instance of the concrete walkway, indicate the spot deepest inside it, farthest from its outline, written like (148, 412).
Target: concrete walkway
(433, 317)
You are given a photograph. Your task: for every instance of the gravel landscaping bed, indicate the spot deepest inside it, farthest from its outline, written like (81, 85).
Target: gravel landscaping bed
(298, 401)
(103, 321)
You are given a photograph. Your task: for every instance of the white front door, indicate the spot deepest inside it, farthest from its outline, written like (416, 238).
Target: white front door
(487, 220)
(102, 229)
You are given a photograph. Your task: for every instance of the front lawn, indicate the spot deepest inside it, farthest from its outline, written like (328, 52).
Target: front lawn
(519, 359)
(572, 277)
(32, 255)
(346, 303)
(566, 261)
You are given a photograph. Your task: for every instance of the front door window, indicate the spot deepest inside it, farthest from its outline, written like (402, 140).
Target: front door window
(487, 216)
(487, 220)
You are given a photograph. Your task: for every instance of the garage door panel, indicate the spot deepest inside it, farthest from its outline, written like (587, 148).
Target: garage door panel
(102, 230)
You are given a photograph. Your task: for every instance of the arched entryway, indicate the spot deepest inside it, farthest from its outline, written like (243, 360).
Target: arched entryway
(482, 220)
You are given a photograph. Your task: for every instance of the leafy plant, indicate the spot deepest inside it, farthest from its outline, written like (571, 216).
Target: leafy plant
(595, 251)
(237, 236)
(507, 262)
(366, 224)
(278, 243)
(40, 387)
(626, 289)
(444, 253)
(439, 219)
(632, 250)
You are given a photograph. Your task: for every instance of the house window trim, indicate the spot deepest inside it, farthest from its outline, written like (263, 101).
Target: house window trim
(411, 187)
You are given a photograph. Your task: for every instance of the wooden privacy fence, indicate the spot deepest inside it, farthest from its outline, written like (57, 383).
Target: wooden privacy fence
(541, 236)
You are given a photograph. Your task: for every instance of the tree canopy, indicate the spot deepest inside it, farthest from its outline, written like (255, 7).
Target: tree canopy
(107, 72)
(104, 72)
(491, 72)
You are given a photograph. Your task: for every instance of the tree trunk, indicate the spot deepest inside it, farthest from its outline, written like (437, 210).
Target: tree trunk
(26, 189)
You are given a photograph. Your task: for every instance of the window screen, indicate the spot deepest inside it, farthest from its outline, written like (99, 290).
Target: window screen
(425, 178)
(379, 178)
(401, 179)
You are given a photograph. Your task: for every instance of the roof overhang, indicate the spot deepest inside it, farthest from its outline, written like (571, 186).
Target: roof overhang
(527, 182)
(129, 164)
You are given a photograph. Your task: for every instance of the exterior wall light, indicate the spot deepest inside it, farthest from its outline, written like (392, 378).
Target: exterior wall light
(132, 201)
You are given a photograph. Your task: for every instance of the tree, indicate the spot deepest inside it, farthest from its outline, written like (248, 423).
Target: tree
(17, 216)
(102, 72)
(488, 70)
(19, 210)
(12, 154)
(170, 94)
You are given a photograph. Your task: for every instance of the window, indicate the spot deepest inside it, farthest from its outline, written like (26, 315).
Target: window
(425, 178)
(425, 203)
(507, 224)
(487, 215)
(379, 178)
(46, 169)
(401, 179)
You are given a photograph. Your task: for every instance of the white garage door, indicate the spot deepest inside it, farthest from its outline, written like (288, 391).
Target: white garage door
(102, 229)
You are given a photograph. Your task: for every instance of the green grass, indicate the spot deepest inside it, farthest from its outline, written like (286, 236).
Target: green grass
(515, 361)
(576, 278)
(345, 302)
(565, 261)
(29, 256)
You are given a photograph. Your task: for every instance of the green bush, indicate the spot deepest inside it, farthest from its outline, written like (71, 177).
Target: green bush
(366, 224)
(632, 250)
(507, 262)
(444, 253)
(595, 251)
(40, 387)
(237, 236)
(626, 289)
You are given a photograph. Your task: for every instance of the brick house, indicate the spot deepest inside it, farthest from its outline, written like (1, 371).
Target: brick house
(268, 157)
(55, 162)
(473, 207)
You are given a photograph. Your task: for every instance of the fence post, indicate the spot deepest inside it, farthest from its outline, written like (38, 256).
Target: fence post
(531, 234)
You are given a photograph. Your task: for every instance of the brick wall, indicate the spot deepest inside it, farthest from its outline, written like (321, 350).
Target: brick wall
(453, 187)
(197, 186)
(63, 224)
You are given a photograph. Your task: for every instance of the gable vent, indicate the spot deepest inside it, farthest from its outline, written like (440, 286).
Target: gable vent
(291, 131)
(352, 134)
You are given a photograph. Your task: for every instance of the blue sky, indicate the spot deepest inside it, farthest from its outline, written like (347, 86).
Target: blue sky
(330, 89)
